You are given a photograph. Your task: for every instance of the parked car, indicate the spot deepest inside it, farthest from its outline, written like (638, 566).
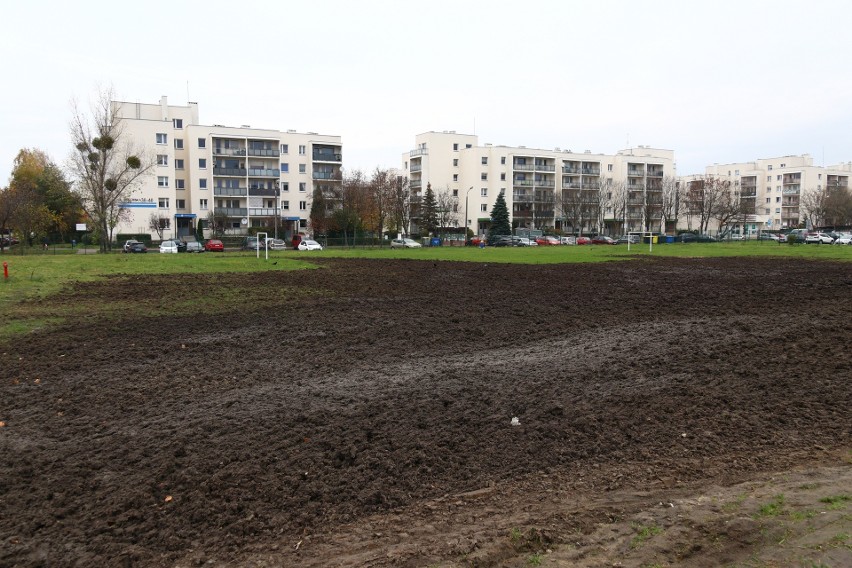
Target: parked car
(843, 239)
(168, 247)
(128, 244)
(214, 245)
(194, 246)
(477, 240)
(603, 240)
(136, 246)
(569, 240)
(504, 241)
(627, 239)
(818, 239)
(584, 241)
(405, 243)
(769, 237)
(308, 244)
(277, 244)
(525, 242)
(546, 241)
(251, 243)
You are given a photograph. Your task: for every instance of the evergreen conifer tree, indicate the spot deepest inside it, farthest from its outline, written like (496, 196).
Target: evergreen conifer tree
(430, 210)
(499, 219)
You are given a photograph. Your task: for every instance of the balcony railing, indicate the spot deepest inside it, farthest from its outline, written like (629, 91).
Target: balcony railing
(591, 186)
(545, 168)
(790, 191)
(219, 151)
(634, 172)
(262, 172)
(523, 167)
(418, 152)
(415, 184)
(655, 173)
(517, 198)
(263, 152)
(262, 192)
(327, 157)
(324, 175)
(230, 191)
(231, 211)
(230, 172)
(416, 167)
(262, 212)
(591, 171)
(570, 185)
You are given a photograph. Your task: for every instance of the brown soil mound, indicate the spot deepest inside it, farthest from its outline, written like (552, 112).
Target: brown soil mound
(363, 416)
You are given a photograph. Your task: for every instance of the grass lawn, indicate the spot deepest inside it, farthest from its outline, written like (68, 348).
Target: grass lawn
(36, 275)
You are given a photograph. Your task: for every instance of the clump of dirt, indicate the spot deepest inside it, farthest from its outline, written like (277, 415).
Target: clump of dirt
(371, 424)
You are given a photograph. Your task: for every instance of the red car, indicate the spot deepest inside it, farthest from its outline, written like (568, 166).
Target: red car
(584, 241)
(547, 241)
(603, 240)
(214, 245)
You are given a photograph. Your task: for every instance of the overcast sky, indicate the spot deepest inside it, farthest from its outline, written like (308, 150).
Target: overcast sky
(717, 82)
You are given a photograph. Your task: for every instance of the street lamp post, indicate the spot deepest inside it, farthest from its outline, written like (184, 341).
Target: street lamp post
(466, 219)
(277, 196)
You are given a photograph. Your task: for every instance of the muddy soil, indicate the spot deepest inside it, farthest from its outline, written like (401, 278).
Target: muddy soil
(676, 412)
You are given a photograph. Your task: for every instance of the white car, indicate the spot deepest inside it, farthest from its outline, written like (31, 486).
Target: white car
(308, 244)
(169, 247)
(276, 244)
(818, 238)
(843, 239)
(567, 240)
(405, 243)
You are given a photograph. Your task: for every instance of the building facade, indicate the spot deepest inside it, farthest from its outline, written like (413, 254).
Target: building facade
(774, 190)
(557, 190)
(237, 177)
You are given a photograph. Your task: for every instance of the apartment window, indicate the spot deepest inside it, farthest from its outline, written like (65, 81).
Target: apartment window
(303, 205)
(285, 148)
(285, 167)
(178, 143)
(778, 177)
(285, 205)
(302, 186)
(455, 162)
(729, 173)
(609, 167)
(302, 150)
(502, 160)
(484, 160)
(503, 176)
(483, 176)
(162, 160)
(778, 199)
(163, 203)
(769, 200)
(180, 184)
(301, 168)
(180, 203)
(202, 142)
(165, 222)
(162, 181)
(483, 208)
(483, 192)
(178, 164)
(768, 178)
(769, 168)
(819, 176)
(778, 210)
(285, 186)
(778, 188)
(202, 183)
(202, 204)
(162, 138)
(766, 211)
(202, 163)
(405, 165)
(468, 146)
(736, 172)
(783, 165)
(455, 147)
(455, 193)
(455, 177)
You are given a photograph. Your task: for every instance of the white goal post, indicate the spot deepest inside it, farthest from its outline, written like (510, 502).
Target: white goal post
(641, 235)
(265, 245)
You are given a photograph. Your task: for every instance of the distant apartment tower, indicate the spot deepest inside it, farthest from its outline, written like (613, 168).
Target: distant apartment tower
(244, 177)
(544, 189)
(773, 189)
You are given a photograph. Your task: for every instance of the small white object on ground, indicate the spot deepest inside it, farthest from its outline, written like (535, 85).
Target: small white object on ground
(515, 421)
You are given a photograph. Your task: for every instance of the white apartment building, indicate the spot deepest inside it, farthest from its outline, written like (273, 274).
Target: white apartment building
(247, 177)
(541, 186)
(776, 186)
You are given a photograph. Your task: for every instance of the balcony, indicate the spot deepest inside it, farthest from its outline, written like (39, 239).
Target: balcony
(418, 152)
(320, 156)
(231, 211)
(570, 170)
(262, 172)
(325, 175)
(748, 193)
(545, 168)
(415, 184)
(655, 173)
(241, 172)
(230, 191)
(262, 192)
(591, 171)
(591, 186)
(520, 198)
(523, 167)
(263, 152)
(790, 190)
(570, 185)
(416, 167)
(262, 212)
(219, 151)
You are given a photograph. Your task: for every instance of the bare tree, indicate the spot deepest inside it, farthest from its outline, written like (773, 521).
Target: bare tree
(619, 199)
(217, 222)
(602, 201)
(838, 206)
(382, 192)
(447, 209)
(728, 208)
(402, 205)
(104, 164)
(704, 197)
(671, 202)
(156, 224)
(542, 208)
(814, 207)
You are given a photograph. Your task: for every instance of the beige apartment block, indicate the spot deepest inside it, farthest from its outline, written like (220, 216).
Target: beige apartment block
(774, 188)
(560, 190)
(248, 177)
